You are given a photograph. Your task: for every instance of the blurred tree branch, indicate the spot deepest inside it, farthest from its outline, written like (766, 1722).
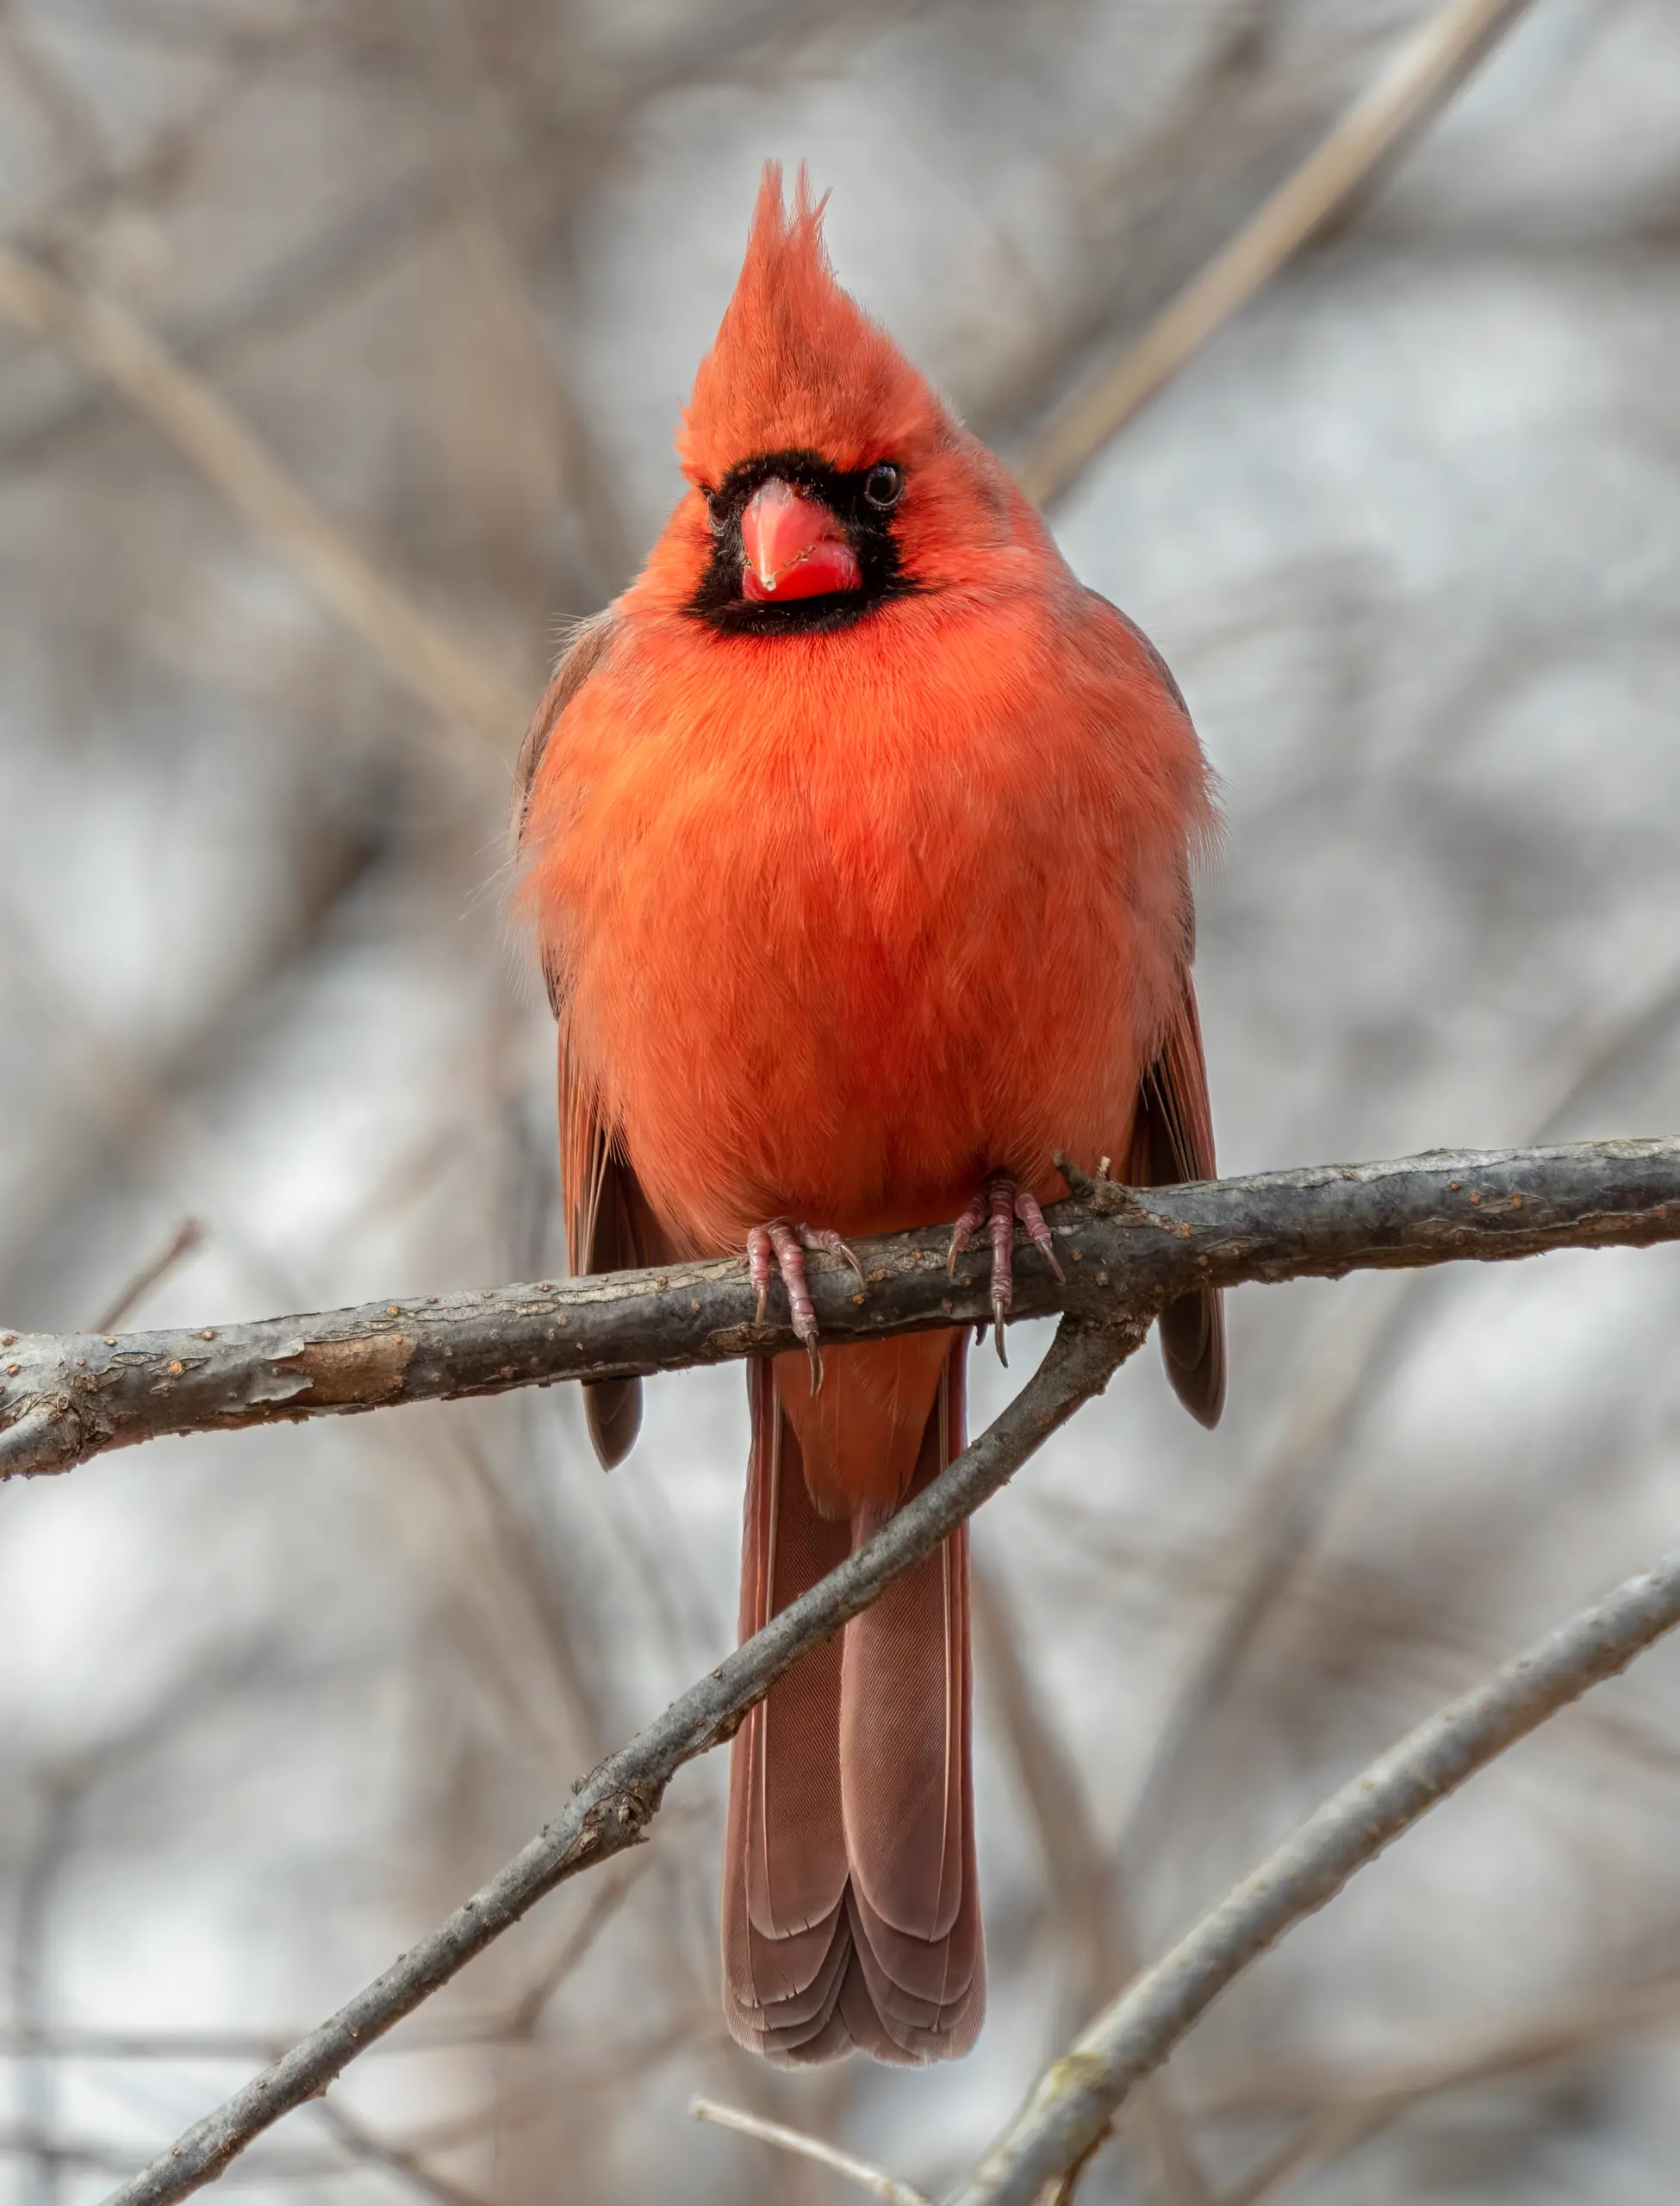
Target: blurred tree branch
(1349, 2105)
(1417, 83)
(187, 1237)
(67, 1398)
(107, 338)
(1077, 2096)
(847, 2165)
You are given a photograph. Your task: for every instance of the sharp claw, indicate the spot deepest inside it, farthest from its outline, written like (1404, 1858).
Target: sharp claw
(964, 1231)
(774, 1250)
(1027, 1210)
(825, 1239)
(1000, 1202)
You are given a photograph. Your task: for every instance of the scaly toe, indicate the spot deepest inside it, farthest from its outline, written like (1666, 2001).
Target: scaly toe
(778, 1249)
(1032, 1216)
(1000, 1312)
(824, 1237)
(997, 1206)
(761, 1264)
(964, 1231)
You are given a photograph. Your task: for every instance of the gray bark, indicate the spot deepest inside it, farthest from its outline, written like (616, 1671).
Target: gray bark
(63, 1399)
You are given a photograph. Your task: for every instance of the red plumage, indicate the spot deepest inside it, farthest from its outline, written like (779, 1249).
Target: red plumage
(853, 887)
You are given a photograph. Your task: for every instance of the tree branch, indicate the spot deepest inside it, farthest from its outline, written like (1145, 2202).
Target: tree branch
(847, 2165)
(1421, 77)
(1077, 2097)
(611, 1809)
(105, 337)
(63, 1399)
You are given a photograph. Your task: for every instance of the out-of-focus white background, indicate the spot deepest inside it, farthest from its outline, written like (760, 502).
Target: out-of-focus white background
(1409, 535)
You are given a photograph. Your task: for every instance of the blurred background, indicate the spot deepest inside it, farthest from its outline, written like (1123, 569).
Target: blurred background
(1409, 533)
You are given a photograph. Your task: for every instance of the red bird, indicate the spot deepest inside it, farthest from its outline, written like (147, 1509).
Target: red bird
(858, 838)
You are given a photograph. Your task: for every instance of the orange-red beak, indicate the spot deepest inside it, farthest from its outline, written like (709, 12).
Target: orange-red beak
(794, 546)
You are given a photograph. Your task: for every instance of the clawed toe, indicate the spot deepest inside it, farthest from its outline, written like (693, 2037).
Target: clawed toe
(779, 1247)
(997, 1205)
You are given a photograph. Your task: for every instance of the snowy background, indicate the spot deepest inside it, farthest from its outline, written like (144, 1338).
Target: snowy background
(1408, 534)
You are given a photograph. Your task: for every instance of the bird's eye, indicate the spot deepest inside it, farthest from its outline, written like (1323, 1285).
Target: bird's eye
(883, 486)
(717, 511)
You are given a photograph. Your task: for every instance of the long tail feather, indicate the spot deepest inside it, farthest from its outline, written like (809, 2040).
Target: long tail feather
(851, 1910)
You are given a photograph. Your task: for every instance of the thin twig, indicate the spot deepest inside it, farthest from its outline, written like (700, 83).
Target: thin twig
(105, 337)
(874, 2180)
(522, 2018)
(64, 1399)
(1420, 78)
(1327, 2135)
(365, 2144)
(1350, 2105)
(188, 1235)
(1079, 2094)
(612, 1808)
(515, 2025)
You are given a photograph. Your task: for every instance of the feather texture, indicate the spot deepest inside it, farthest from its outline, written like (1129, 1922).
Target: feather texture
(850, 1911)
(1172, 1142)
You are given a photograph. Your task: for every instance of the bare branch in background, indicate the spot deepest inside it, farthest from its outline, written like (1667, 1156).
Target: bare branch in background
(1425, 74)
(1079, 2095)
(416, 653)
(187, 1236)
(1126, 1258)
(846, 2165)
(1350, 2105)
(365, 2144)
(516, 2024)
(71, 118)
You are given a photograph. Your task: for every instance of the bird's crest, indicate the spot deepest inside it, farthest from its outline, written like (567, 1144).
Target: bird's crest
(796, 365)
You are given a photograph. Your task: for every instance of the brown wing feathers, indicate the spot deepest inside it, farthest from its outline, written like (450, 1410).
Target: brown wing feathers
(1172, 1141)
(609, 1225)
(609, 1228)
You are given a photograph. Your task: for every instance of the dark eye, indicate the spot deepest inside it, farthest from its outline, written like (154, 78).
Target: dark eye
(717, 511)
(883, 486)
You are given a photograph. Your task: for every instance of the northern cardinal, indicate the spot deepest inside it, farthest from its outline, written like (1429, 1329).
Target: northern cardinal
(857, 838)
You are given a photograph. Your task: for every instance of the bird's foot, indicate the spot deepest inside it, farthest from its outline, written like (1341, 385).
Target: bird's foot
(997, 1204)
(779, 1246)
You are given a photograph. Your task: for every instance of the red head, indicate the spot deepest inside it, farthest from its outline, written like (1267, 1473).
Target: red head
(828, 477)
